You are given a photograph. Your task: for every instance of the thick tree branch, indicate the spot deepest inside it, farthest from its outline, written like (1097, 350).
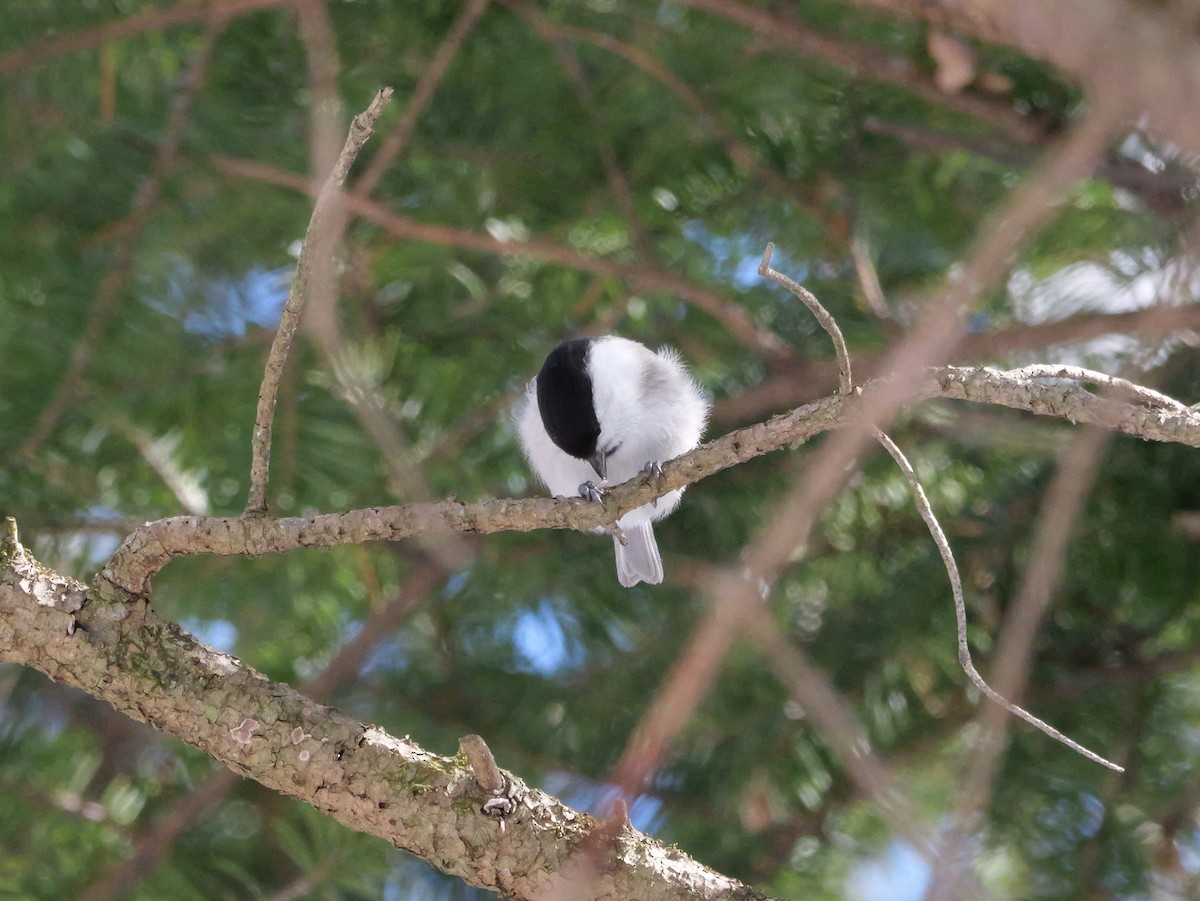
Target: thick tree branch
(153, 842)
(150, 669)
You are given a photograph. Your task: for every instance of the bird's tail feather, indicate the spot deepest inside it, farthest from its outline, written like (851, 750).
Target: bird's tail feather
(639, 560)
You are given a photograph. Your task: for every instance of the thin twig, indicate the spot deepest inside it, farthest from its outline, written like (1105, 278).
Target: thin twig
(960, 609)
(328, 200)
(1077, 465)
(325, 107)
(826, 321)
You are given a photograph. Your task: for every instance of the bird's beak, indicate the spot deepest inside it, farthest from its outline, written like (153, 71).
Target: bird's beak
(600, 464)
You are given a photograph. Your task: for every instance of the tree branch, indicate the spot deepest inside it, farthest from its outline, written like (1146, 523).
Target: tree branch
(794, 383)
(866, 62)
(150, 548)
(315, 240)
(1133, 55)
(647, 278)
(153, 671)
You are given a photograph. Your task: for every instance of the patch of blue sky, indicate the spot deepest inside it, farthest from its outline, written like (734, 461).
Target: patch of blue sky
(230, 307)
(222, 308)
(216, 633)
(737, 258)
(645, 811)
(543, 642)
(898, 874)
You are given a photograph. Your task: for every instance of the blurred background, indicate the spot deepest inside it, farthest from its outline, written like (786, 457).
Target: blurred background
(549, 170)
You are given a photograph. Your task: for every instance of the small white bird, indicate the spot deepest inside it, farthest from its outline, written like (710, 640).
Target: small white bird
(613, 408)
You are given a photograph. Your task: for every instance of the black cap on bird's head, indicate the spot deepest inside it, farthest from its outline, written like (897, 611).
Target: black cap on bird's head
(564, 396)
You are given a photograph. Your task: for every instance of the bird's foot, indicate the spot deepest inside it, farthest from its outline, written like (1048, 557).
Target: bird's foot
(592, 491)
(653, 470)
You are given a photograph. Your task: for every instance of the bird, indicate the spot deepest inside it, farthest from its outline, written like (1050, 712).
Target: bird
(612, 408)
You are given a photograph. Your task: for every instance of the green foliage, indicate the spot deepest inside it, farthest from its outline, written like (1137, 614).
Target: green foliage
(532, 643)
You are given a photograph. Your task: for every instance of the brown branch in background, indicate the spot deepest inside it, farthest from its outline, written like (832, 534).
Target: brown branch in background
(358, 390)
(157, 454)
(617, 180)
(130, 26)
(866, 61)
(742, 154)
(154, 842)
(643, 277)
(1078, 464)
(320, 310)
(327, 204)
(325, 106)
(307, 884)
(151, 846)
(833, 718)
(868, 278)
(109, 293)
(393, 145)
(1127, 54)
(1166, 192)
